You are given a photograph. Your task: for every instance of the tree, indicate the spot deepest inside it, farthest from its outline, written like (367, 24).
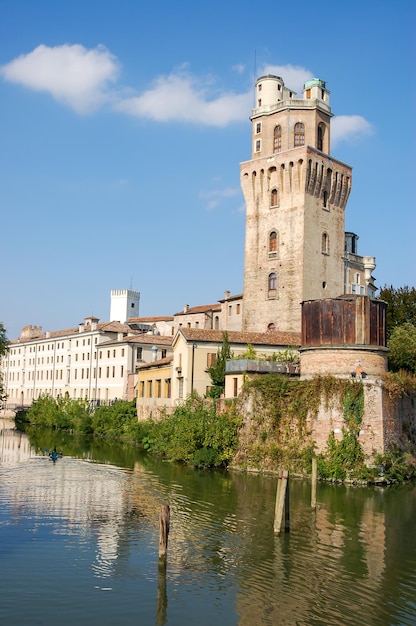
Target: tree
(217, 371)
(402, 348)
(4, 346)
(401, 306)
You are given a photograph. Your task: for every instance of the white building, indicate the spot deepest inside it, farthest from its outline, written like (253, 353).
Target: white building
(95, 361)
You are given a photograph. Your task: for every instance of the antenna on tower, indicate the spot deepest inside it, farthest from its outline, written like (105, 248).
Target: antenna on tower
(254, 77)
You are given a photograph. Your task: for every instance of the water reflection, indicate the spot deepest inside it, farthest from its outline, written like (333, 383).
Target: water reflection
(350, 561)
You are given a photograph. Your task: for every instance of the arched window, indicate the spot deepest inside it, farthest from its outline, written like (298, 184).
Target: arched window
(216, 322)
(272, 282)
(325, 243)
(320, 138)
(274, 197)
(299, 134)
(273, 242)
(277, 144)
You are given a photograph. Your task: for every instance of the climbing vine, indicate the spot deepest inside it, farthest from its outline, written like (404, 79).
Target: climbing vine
(279, 412)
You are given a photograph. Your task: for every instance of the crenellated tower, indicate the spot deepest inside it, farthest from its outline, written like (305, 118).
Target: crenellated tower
(295, 195)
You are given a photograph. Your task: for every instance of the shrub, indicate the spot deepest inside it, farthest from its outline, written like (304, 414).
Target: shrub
(196, 435)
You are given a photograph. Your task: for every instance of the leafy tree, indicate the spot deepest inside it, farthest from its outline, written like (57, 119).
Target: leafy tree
(402, 348)
(4, 346)
(217, 371)
(401, 306)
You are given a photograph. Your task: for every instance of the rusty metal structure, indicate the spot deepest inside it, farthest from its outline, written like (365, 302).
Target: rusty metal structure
(344, 321)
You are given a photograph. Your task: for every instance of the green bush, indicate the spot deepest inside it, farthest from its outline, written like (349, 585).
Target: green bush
(194, 434)
(342, 459)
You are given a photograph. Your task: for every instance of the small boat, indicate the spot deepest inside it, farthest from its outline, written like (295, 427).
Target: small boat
(54, 455)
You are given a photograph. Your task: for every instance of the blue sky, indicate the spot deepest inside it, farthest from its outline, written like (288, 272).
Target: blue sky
(123, 125)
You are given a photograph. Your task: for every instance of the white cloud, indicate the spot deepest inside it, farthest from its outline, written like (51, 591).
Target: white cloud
(215, 196)
(349, 128)
(82, 79)
(70, 73)
(293, 76)
(181, 97)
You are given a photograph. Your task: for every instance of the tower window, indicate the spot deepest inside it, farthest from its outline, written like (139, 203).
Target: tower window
(299, 134)
(257, 146)
(272, 284)
(325, 243)
(258, 127)
(273, 243)
(259, 102)
(274, 197)
(277, 139)
(320, 138)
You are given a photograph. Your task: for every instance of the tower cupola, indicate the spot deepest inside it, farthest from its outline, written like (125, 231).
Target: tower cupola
(315, 89)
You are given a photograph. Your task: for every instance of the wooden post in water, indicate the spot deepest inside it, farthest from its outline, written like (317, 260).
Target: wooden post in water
(282, 503)
(313, 487)
(164, 530)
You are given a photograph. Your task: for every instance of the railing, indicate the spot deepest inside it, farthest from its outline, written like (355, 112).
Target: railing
(260, 366)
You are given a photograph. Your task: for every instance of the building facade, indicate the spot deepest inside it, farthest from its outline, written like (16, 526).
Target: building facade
(93, 361)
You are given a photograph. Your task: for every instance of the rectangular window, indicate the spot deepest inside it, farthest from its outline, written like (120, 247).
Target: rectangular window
(108, 372)
(258, 127)
(211, 358)
(257, 147)
(139, 354)
(167, 388)
(238, 309)
(158, 388)
(235, 387)
(149, 388)
(122, 371)
(141, 389)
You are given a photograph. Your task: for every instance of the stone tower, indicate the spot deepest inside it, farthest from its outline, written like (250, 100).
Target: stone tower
(295, 195)
(124, 304)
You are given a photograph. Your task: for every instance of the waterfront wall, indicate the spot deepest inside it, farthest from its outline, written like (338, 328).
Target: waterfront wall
(388, 423)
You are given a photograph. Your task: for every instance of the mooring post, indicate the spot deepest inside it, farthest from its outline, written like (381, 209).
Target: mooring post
(282, 503)
(313, 488)
(164, 530)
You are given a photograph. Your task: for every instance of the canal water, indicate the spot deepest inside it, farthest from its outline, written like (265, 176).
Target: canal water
(79, 544)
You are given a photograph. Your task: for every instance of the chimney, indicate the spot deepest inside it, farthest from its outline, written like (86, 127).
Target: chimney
(186, 308)
(226, 295)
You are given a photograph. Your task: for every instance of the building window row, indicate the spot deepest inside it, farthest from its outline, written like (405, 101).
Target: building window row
(155, 388)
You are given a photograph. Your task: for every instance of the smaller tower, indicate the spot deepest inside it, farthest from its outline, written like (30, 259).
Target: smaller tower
(124, 304)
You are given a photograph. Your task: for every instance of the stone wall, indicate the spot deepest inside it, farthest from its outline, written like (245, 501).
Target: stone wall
(387, 423)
